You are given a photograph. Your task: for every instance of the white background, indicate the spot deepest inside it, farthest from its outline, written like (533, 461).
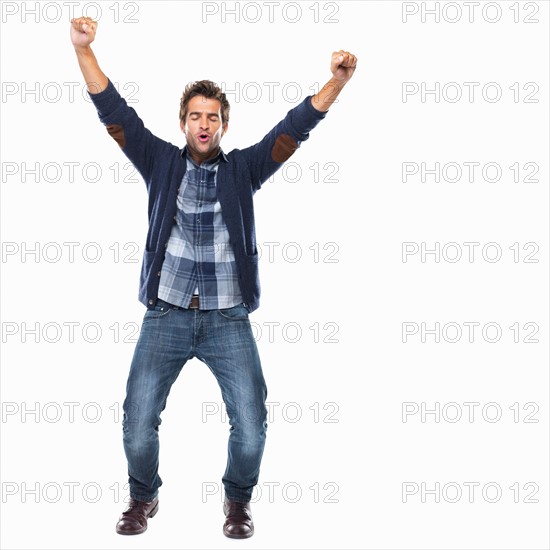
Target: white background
(358, 451)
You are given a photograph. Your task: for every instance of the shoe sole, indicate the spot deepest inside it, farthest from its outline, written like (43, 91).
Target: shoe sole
(151, 514)
(238, 536)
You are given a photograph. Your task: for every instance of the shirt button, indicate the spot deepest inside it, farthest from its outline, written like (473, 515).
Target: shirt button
(174, 217)
(166, 245)
(151, 302)
(158, 274)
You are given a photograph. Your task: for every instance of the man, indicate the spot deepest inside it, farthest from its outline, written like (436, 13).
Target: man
(199, 276)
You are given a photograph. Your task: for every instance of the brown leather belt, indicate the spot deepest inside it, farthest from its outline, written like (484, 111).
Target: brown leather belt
(193, 304)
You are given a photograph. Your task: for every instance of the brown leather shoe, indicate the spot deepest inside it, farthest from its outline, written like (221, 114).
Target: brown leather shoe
(238, 520)
(133, 520)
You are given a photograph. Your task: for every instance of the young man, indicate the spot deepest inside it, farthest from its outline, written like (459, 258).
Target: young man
(199, 276)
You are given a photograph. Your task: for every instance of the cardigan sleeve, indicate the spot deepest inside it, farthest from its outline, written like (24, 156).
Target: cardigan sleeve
(127, 129)
(279, 144)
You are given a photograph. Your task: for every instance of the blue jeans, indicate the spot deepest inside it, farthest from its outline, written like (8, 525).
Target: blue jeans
(223, 340)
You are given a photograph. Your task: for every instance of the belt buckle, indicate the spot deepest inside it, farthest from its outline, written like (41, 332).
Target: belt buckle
(194, 304)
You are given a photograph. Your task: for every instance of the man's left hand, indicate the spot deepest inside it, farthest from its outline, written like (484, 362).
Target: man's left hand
(343, 65)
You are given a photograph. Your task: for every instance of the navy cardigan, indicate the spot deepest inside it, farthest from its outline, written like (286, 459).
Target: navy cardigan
(162, 166)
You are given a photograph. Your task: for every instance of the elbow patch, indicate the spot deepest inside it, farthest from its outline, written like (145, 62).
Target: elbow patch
(283, 148)
(116, 131)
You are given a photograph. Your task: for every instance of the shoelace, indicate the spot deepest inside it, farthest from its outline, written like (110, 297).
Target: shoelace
(237, 511)
(132, 505)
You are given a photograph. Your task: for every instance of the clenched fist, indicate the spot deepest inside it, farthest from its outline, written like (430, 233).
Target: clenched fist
(343, 65)
(83, 31)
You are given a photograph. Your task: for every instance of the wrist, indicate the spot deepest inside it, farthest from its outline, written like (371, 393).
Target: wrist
(83, 51)
(338, 82)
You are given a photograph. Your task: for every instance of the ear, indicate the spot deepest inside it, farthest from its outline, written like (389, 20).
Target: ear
(225, 127)
(181, 125)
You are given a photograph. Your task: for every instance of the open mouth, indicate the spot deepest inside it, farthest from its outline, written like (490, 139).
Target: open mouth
(203, 138)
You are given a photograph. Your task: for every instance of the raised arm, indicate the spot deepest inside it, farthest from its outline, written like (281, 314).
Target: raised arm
(121, 121)
(342, 66)
(278, 145)
(83, 31)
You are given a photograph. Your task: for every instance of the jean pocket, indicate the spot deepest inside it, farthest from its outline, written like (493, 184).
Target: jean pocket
(235, 313)
(160, 310)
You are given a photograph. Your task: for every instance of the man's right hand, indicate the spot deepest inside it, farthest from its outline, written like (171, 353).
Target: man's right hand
(83, 31)
(82, 35)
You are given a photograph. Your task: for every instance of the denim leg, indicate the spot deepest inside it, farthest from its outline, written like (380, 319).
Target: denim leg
(229, 349)
(163, 347)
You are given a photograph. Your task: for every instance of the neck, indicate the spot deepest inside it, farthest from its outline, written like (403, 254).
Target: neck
(200, 158)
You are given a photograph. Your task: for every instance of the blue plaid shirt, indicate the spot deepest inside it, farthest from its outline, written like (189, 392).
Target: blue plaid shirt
(199, 258)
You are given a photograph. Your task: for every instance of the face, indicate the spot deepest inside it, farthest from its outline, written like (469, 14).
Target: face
(203, 127)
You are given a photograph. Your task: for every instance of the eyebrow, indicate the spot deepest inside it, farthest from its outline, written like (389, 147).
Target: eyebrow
(200, 113)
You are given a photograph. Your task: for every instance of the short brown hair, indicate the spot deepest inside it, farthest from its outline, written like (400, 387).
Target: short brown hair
(208, 89)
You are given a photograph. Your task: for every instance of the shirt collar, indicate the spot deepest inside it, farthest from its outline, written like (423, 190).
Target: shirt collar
(220, 156)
